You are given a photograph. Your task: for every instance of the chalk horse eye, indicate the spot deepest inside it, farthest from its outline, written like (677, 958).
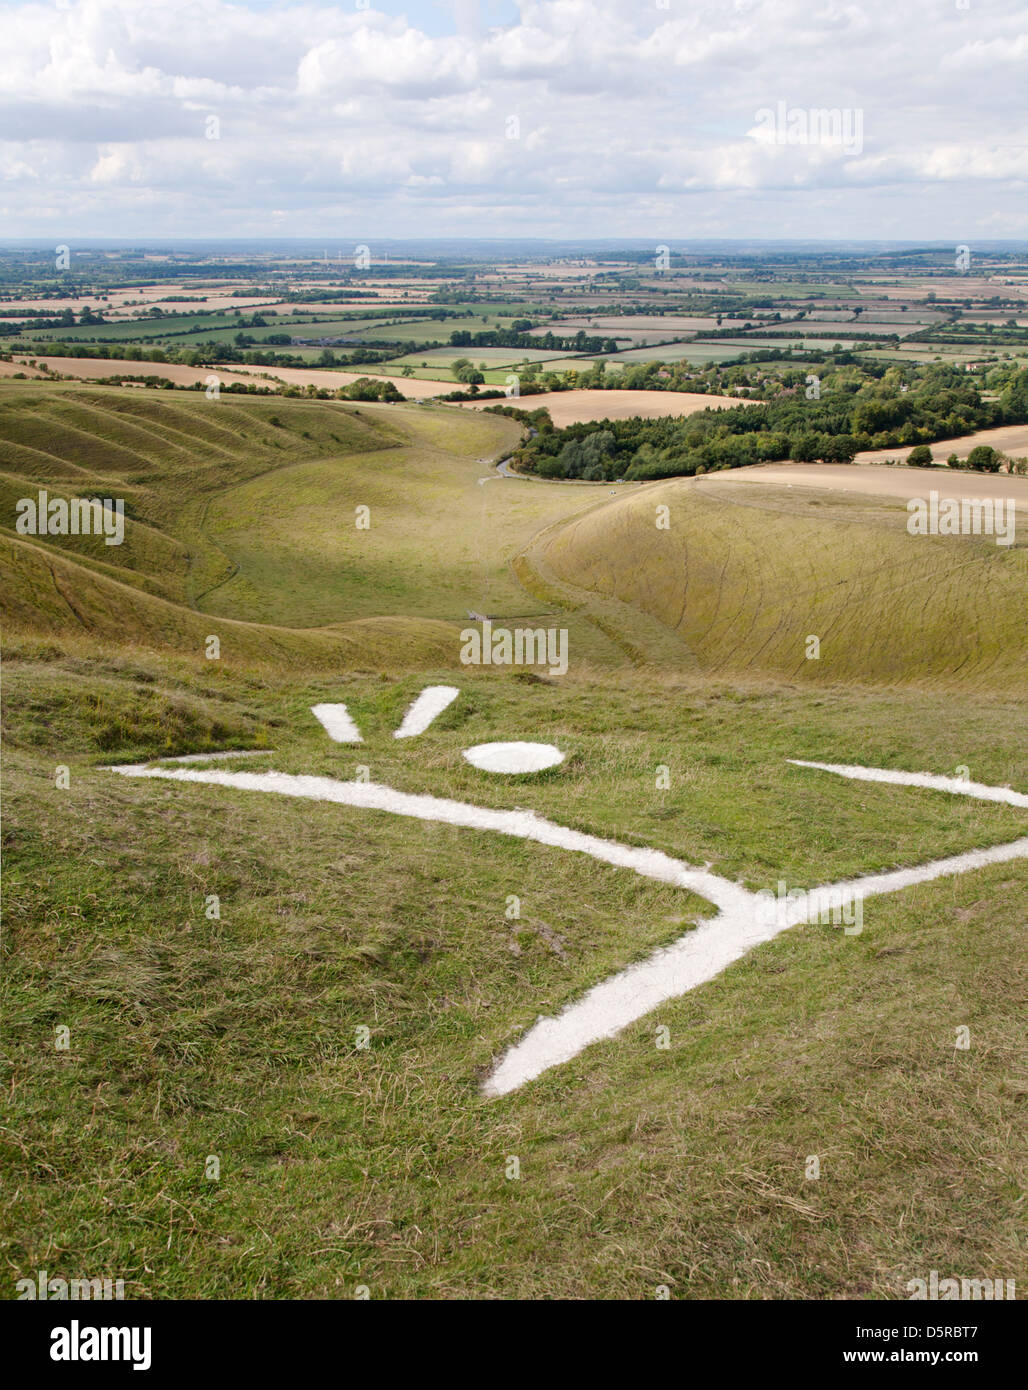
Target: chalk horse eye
(513, 757)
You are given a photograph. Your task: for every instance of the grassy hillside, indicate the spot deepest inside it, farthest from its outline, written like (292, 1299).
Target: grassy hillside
(166, 454)
(742, 577)
(46, 595)
(236, 1036)
(385, 1167)
(244, 510)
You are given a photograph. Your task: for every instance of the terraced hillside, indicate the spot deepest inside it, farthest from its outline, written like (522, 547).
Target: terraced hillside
(241, 522)
(310, 531)
(166, 455)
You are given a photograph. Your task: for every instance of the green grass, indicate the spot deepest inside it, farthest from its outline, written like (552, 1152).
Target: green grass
(440, 330)
(244, 528)
(166, 456)
(385, 1167)
(700, 353)
(236, 1036)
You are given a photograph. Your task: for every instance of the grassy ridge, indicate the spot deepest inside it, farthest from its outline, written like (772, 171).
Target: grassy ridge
(245, 510)
(173, 460)
(49, 596)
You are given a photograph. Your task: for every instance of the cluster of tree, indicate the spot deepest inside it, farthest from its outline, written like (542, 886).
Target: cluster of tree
(472, 394)
(983, 458)
(658, 375)
(366, 388)
(369, 388)
(179, 325)
(538, 419)
(65, 319)
(975, 335)
(307, 296)
(153, 383)
(851, 410)
(592, 457)
(204, 353)
(357, 357)
(44, 314)
(464, 370)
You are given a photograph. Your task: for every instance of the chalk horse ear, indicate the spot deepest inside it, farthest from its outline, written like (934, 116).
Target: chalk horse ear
(340, 727)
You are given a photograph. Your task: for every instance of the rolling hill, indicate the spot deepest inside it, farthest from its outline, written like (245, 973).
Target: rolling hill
(313, 993)
(742, 576)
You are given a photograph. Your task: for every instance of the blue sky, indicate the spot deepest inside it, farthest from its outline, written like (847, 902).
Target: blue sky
(654, 119)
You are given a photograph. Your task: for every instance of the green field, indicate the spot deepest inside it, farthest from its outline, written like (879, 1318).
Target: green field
(700, 353)
(445, 357)
(438, 331)
(384, 1167)
(187, 329)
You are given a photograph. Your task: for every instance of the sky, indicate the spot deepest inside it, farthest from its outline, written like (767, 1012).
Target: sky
(662, 119)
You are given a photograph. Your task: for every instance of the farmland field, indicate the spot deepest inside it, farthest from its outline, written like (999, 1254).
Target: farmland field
(492, 356)
(864, 478)
(259, 376)
(570, 407)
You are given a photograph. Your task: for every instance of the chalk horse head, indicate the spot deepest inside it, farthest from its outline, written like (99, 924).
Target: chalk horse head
(741, 920)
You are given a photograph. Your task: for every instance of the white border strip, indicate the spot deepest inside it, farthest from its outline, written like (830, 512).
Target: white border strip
(955, 785)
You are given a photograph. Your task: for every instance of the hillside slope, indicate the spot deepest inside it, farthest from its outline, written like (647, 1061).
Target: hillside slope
(294, 514)
(742, 580)
(48, 595)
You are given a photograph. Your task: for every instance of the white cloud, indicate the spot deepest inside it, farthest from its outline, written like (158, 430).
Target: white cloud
(631, 119)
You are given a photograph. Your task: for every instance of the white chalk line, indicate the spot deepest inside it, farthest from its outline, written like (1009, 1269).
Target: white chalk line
(428, 706)
(608, 1008)
(957, 786)
(672, 971)
(524, 825)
